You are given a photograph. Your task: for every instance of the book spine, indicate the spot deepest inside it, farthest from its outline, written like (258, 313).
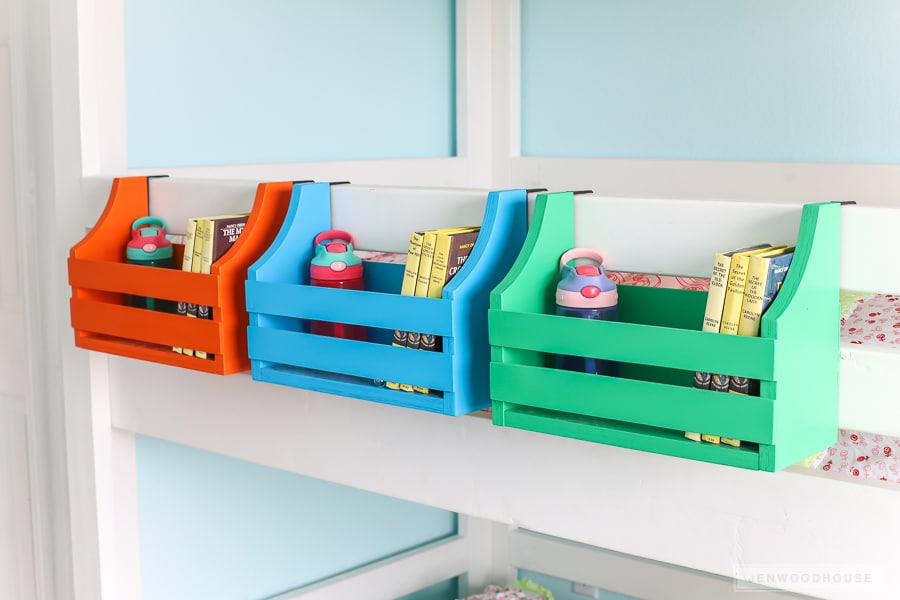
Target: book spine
(187, 259)
(205, 241)
(415, 338)
(731, 312)
(437, 275)
(715, 300)
(748, 322)
(425, 262)
(192, 309)
(751, 309)
(712, 318)
(734, 295)
(225, 232)
(408, 288)
(451, 249)
(220, 234)
(764, 277)
(777, 273)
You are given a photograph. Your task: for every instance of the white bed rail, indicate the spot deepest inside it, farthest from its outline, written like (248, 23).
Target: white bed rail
(870, 262)
(869, 252)
(625, 574)
(469, 555)
(393, 577)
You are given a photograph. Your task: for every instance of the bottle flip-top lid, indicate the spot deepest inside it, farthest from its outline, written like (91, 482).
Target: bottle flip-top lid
(148, 240)
(583, 282)
(334, 258)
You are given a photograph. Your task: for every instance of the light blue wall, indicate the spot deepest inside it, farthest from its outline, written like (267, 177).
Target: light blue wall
(235, 82)
(215, 527)
(802, 80)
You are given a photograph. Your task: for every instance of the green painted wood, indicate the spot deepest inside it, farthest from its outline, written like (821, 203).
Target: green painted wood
(672, 407)
(636, 437)
(658, 345)
(682, 309)
(805, 321)
(628, 342)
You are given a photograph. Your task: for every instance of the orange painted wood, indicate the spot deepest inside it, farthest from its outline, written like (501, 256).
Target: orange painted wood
(101, 282)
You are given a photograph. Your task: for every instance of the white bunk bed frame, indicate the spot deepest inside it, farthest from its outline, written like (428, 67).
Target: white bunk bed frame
(515, 549)
(80, 427)
(645, 509)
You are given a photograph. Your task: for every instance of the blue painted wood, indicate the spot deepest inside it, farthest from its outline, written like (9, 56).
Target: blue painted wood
(351, 387)
(372, 309)
(352, 357)
(281, 302)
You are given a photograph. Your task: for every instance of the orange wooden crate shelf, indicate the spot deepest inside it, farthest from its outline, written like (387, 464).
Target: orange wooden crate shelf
(101, 282)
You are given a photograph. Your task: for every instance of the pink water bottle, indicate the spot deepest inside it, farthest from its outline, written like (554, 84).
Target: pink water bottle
(335, 265)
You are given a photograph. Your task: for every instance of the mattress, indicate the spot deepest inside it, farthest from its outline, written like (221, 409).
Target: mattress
(870, 320)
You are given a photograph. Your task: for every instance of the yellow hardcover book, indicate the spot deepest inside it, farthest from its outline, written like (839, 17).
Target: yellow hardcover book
(426, 259)
(712, 316)
(452, 244)
(199, 234)
(734, 291)
(731, 310)
(220, 232)
(761, 269)
(765, 272)
(186, 262)
(408, 288)
(223, 232)
(451, 249)
(204, 232)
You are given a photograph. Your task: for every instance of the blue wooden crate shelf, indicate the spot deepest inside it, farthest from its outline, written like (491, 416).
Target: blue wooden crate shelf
(281, 303)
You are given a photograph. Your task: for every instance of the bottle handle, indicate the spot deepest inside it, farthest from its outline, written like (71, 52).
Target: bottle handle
(148, 221)
(574, 253)
(333, 234)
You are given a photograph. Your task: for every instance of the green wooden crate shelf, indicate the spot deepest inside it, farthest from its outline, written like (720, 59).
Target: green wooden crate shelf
(659, 345)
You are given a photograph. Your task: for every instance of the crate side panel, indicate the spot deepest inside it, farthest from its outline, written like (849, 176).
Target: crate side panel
(499, 242)
(530, 284)
(805, 320)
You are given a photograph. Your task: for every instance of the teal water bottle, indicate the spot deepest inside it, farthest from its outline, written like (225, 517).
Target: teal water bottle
(150, 247)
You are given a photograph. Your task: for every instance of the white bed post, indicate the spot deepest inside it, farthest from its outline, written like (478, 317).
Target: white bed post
(488, 554)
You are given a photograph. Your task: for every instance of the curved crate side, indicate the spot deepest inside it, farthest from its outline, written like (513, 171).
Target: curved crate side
(804, 322)
(550, 234)
(503, 232)
(128, 200)
(308, 209)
